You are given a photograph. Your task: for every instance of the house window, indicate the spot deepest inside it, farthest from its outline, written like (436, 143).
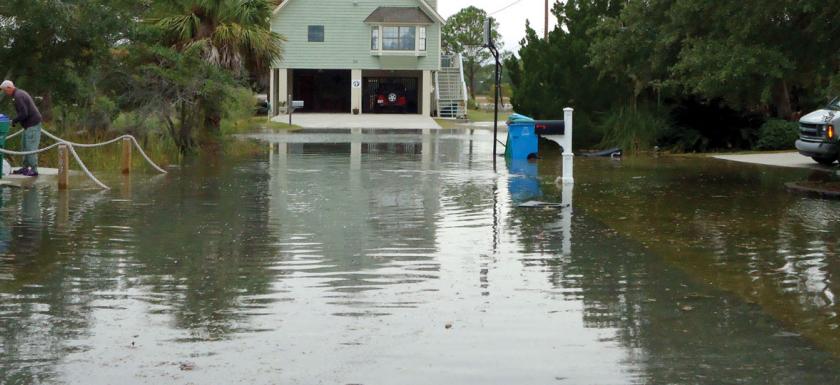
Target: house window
(316, 33)
(398, 38)
(374, 38)
(421, 37)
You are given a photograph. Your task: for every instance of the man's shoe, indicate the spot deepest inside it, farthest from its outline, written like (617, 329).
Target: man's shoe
(20, 171)
(30, 173)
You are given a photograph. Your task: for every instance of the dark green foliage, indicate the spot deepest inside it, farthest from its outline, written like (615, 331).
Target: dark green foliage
(722, 66)
(56, 49)
(549, 76)
(634, 131)
(698, 125)
(777, 134)
(88, 61)
(181, 89)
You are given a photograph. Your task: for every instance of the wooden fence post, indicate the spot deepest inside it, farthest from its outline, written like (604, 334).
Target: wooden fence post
(126, 156)
(63, 166)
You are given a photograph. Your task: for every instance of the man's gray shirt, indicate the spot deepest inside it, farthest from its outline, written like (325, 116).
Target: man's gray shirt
(27, 114)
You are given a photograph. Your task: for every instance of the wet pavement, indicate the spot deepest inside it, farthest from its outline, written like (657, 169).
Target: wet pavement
(780, 159)
(362, 261)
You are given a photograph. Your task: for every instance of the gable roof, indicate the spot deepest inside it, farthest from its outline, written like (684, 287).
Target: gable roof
(411, 15)
(430, 11)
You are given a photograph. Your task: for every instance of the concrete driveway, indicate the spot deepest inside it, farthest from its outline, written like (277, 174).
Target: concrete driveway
(363, 121)
(781, 159)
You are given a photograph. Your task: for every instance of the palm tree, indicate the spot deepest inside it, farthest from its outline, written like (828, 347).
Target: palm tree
(232, 34)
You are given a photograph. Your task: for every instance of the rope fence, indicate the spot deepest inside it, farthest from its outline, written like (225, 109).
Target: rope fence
(71, 146)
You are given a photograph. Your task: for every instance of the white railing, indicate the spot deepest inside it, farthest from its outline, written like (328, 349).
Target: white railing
(437, 86)
(463, 82)
(70, 146)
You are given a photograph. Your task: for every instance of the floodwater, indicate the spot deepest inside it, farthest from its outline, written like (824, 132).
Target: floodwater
(407, 260)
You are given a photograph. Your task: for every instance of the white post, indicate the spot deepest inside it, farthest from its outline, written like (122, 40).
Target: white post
(426, 94)
(355, 91)
(568, 156)
(282, 90)
(566, 214)
(272, 90)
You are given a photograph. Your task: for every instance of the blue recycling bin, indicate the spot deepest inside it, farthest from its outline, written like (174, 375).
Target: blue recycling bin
(524, 182)
(522, 141)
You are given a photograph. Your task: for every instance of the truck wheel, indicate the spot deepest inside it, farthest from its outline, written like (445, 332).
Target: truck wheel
(824, 161)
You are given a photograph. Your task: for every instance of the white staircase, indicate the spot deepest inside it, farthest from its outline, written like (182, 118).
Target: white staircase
(450, 88)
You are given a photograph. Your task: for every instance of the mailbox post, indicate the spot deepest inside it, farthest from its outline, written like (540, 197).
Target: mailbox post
(560, 131)
(568, 155)
(292, 106)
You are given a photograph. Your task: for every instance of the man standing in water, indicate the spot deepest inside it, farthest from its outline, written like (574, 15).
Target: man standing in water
(30, 118)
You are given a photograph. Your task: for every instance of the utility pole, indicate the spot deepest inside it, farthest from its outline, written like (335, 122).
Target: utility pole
(545, 36)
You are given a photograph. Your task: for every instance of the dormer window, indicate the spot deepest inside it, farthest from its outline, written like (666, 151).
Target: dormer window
(398, 31)
(406, 39)
(399, 38)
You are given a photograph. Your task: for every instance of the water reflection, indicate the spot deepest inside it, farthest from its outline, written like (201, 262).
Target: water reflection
(353, 259)
(354, 229)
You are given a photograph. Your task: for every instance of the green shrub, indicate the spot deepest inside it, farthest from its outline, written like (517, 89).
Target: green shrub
(632, 131)
(472, 104)
(138, 123)
(237, 110)
(777, 134)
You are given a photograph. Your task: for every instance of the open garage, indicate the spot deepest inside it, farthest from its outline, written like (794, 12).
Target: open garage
(322, 90)
(391, 92)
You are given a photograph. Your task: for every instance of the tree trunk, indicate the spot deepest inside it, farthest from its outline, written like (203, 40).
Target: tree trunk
(470, 72)
(183, 139)
(781, 100)
(211, 128)
(46, 107)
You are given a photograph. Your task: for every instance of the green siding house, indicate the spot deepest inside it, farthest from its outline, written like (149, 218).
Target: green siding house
(357, 56)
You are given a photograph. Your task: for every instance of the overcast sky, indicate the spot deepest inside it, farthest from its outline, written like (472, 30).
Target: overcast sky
(511, 19)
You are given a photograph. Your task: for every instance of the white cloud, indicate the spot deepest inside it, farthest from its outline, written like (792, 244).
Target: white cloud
(511, 20)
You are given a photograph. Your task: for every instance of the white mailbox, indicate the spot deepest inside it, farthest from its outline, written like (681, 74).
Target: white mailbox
(563, 137)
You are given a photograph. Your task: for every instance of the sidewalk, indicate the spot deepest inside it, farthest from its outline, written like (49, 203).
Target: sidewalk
(363, 121)
(780, 159)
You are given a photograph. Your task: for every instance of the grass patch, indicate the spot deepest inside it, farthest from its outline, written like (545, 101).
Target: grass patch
(162, 150)
(485, 116)
(449, 123)
(256, 124)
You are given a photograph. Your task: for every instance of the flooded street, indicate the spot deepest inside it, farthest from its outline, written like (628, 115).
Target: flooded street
(405, 259)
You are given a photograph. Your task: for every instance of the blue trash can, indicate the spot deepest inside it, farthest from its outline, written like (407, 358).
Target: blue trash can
(522, 142)
(524, 182)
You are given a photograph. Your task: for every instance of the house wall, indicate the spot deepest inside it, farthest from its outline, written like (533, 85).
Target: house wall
(346, 37)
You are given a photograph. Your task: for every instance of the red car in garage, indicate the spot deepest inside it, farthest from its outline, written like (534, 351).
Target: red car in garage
(391, 97)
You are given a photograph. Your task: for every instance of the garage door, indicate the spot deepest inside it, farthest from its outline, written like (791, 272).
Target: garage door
(390, 95)
(322, 90)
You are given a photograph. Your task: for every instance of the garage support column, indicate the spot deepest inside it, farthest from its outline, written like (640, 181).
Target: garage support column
(356, 90)
(426, 94)
(282, 91)
(272, 91)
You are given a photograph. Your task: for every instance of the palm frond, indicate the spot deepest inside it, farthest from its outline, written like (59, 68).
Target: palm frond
(252, 12)
(181, 27)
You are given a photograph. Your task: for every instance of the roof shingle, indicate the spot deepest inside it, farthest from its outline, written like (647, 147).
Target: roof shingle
(408, 15)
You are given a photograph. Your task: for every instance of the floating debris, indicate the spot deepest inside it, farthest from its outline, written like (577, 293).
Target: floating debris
(539, 204)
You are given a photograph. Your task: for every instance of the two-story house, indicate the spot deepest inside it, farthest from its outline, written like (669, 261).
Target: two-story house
(357, 56)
